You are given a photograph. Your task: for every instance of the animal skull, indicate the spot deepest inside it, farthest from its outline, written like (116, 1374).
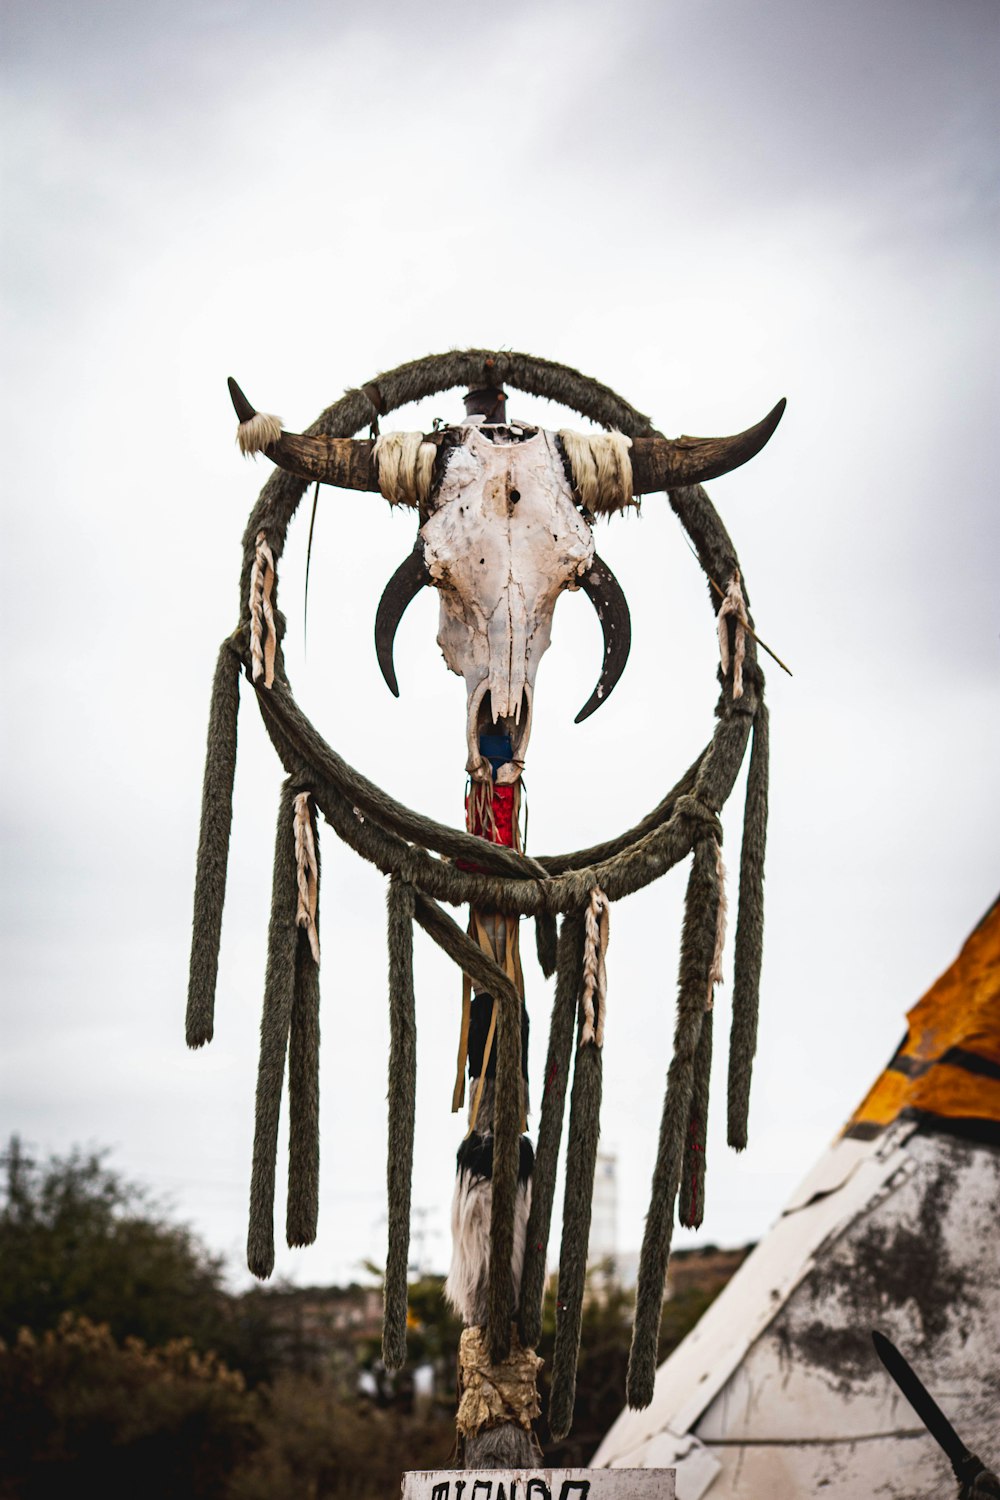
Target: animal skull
(504, 539)
(504, 534)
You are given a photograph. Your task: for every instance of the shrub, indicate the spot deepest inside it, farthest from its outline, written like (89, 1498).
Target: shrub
(82, 1413)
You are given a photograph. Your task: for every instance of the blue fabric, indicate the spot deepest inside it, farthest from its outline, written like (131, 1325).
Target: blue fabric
(497, 749)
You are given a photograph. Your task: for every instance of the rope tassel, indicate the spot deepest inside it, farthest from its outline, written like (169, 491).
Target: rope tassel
(402, 1110)
(213, 847)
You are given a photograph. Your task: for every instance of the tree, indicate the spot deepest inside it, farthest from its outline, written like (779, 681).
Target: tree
(76, 1237)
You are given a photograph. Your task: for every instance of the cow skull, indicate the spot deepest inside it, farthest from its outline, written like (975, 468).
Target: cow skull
(503, 539)
(506, 527)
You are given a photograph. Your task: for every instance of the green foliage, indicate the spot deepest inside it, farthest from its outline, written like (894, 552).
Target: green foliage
(83, 1413)
(313, 1442)
(76, 1237)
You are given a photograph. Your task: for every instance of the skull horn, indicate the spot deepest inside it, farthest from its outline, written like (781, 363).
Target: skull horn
(666, 464)
(344, 462)
(605, 593)
(404, 585)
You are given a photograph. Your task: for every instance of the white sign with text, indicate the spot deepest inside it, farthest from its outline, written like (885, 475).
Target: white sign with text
(539, 1484)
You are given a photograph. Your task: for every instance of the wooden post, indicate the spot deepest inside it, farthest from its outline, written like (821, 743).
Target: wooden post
(501, 1445)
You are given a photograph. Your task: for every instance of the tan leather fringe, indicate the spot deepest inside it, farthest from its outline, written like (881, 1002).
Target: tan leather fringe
(458, 1094)
(307, 872)
(734, 604)
(263, 631)
(595, 979)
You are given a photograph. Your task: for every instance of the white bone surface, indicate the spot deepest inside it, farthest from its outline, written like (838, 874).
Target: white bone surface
(500, 563)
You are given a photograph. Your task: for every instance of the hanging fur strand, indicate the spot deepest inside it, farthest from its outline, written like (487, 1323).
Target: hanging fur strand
(749, 936)
(279, 994)
(213, 846)
(302, 1209)
(402, 1111)
(691, 1196)
(697, 948)
(557, 1064)
(546, 943)
(581, 1159)
(508, 1114)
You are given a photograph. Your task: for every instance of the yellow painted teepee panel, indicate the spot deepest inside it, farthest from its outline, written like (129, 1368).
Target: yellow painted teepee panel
(948, 1064)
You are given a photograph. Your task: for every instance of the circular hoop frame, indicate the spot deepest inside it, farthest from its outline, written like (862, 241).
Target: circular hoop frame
(285, 721)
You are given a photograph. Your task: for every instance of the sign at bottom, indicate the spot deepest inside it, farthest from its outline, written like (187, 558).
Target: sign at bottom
(539, 1484)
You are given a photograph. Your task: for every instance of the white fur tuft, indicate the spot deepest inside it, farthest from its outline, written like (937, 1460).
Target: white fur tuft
(405, 464)
(602, 468)
(467, 1285)
(259, 432)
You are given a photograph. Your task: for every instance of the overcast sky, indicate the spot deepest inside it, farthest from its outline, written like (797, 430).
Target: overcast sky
(705, 204)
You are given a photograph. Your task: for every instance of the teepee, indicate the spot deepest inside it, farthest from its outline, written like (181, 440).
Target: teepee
(777, 1391)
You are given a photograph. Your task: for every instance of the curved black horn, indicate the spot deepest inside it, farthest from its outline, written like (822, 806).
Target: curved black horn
(241, 405)
(344, 462)
(605, 593)
(404, 585)
(665, 464)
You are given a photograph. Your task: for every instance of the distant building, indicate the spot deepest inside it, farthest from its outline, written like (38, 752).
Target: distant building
(602, 1251)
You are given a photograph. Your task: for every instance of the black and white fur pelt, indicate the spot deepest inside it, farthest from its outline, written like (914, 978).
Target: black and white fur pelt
(468, 1279)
